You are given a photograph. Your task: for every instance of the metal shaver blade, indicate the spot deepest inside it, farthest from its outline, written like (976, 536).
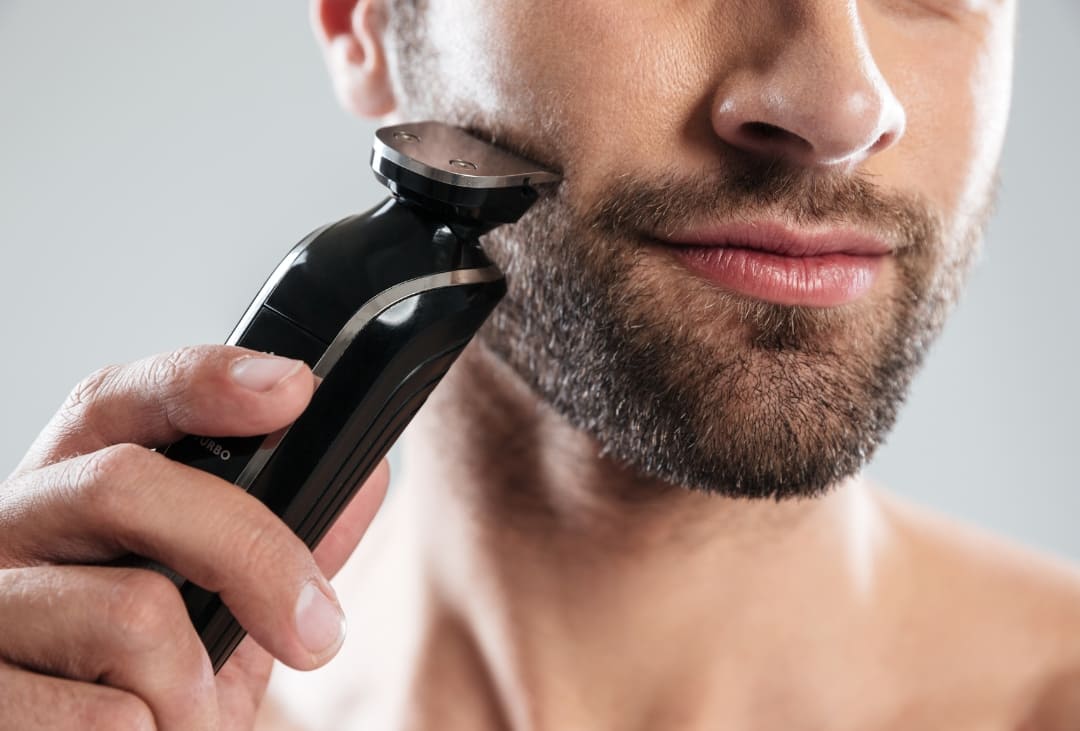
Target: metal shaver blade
(438, 165)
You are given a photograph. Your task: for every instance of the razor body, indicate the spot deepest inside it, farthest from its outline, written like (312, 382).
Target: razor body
(379, 305)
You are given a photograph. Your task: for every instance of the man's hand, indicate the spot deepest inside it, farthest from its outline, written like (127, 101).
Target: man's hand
(89, 647)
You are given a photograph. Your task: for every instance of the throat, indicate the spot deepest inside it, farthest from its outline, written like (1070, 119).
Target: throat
(566, 592)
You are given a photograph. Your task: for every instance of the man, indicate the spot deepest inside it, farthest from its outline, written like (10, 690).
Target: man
(635, 503)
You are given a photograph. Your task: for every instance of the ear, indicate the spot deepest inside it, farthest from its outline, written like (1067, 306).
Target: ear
(351, 35)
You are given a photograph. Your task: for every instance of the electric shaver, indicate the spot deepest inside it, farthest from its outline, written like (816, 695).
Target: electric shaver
(379, 305)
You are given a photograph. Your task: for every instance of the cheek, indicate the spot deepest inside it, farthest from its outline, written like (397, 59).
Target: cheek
(956, 91)
(603, 81)
(991, 90)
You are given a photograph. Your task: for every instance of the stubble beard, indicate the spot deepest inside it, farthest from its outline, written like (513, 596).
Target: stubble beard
(683, 383)
(689, 385)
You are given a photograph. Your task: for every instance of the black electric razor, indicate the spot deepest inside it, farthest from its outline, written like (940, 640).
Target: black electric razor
(379, 305)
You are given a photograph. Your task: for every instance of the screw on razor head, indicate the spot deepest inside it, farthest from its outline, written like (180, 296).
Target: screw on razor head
(464, 165)
(406, 137)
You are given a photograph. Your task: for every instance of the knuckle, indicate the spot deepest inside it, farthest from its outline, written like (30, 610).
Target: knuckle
(184, 382)
(145, 611)
(168, 371)
(268, 543)
(82, 399)
(115, 461)
(169, 378)
(267, 548)
(120, 712)
(107, 474)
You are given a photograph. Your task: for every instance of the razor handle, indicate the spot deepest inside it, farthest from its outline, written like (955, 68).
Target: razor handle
(380, 305)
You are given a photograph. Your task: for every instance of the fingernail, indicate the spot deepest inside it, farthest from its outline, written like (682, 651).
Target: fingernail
(319, 621)
(262, 373)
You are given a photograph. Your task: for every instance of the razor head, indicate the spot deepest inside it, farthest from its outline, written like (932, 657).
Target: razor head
(453, 173)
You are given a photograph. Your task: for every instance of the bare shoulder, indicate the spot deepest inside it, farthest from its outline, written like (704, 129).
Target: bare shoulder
(1007, 612)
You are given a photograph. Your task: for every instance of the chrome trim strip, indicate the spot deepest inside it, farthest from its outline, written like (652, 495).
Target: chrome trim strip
(365, 315)
(390, 297)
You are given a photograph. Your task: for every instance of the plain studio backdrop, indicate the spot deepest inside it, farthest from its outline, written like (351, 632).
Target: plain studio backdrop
(157, 159)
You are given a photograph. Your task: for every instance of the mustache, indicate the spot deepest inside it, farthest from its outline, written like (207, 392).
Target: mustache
(745, 190)
(737, 187)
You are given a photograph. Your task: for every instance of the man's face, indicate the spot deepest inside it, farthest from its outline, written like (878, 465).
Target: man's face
(655, 301)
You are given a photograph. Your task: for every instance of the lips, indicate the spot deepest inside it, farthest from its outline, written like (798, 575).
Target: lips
(782, 265)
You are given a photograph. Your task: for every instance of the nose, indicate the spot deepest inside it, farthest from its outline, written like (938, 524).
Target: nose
(815, 98)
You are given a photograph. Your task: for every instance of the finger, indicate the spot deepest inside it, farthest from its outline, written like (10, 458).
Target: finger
(344, 536)
(242, 681)
(127, 499)
(208, 390)
(33, 702)
(124, 628)
(242, 684)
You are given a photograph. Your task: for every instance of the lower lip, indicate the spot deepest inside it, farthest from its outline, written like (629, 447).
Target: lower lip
(810, 281)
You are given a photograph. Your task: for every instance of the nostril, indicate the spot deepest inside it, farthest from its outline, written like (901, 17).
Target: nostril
(763, 131)
(884, 142)
(764, 135)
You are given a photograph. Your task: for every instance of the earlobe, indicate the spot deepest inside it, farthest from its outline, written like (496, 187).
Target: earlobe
(351, 35)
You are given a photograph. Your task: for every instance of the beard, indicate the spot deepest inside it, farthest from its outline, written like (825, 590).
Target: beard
(687, 384)
(677, 380)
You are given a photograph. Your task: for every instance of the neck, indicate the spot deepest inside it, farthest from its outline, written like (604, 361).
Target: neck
(583, 596)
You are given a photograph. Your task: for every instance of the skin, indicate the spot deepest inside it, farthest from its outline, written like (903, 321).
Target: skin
(519, 578)
(112, 648)
(550, 587)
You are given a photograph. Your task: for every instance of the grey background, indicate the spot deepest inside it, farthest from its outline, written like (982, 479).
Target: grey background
(157, 159)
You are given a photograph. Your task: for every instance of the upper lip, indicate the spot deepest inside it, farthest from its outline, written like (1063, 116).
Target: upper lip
(783, 240)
